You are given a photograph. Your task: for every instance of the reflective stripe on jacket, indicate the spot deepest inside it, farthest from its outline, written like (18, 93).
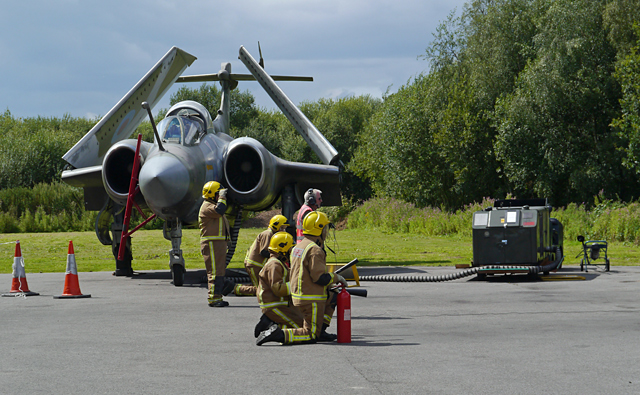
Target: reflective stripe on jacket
(273, 289)
(212, 222)
(308, 263)
(261, 242)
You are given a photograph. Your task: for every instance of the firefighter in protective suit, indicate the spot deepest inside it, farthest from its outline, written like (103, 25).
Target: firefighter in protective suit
(214, 233)
(309, 283)
(312, 202)
(258, 254)
(273, 288)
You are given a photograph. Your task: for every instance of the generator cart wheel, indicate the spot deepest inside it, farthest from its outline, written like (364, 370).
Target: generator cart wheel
(606, 266)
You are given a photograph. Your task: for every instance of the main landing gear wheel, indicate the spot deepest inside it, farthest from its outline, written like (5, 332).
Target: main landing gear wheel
(177, 273)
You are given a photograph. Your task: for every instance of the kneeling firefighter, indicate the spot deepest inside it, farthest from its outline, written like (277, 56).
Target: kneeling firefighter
(214, 234)
(309, 281)
(273, 288)
(258, 254)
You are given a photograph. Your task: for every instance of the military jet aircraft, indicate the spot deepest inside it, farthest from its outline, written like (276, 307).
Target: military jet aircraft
(189, 149)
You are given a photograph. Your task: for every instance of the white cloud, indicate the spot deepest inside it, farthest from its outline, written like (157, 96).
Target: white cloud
(81, 57)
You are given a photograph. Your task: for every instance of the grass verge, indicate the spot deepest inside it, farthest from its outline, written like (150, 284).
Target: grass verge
(47, 252)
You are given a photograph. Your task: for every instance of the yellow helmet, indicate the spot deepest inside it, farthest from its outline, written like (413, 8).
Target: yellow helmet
(314, 223)
(281, 242)
(210, 189)
(277, 221)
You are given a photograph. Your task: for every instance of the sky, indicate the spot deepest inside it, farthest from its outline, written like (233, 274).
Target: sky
(80, 57)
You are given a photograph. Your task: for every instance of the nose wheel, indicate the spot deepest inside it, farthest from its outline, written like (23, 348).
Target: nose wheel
(177, 274)
(172, 231)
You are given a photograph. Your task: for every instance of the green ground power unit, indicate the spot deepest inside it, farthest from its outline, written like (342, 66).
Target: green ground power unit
(516, 232)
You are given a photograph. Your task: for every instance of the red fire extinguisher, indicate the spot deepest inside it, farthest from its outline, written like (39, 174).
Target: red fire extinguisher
(344, 317)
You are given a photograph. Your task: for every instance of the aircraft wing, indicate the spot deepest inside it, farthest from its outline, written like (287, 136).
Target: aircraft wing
(306, 175)
(123, 119)
(318, 143)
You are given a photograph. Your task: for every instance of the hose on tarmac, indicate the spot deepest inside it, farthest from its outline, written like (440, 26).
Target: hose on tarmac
(452, 276)
(469, 272)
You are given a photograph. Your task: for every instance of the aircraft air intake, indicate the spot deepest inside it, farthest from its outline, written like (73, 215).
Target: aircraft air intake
(116, 169)
(252, 173)
(244, 168)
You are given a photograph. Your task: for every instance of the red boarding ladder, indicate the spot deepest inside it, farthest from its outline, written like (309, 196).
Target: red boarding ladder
(133, 191)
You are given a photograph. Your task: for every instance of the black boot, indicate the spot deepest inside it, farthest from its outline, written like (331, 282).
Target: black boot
(216, 300)
(219, 303)
(218, 284)
(326, 337)
(273, 334)
(262, 325)
(228, 287)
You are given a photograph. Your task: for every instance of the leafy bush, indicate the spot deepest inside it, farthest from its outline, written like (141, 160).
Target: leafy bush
(606, 220)
(395, 216)
(32, 148)
(340, 213)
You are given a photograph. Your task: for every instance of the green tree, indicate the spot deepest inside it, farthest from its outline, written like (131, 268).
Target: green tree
(398, 152)
(475, 59)
(620, 16)
(342, 121)
(274, 131)
(554, 136)
(628, 124)
(32, 148)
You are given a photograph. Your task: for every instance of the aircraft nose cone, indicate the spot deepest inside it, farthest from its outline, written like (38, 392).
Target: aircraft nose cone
(164, 181)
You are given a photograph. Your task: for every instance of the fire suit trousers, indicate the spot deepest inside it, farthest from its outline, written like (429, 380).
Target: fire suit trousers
(219, 248)
(285, 316)
(249, 290)
(316, 314)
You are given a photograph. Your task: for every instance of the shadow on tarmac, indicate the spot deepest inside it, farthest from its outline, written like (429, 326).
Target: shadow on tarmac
(564, 274)
(369, 343)
(192, 278)
(198, 277)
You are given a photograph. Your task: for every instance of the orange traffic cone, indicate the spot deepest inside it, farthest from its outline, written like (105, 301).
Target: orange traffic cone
(19, 286)
(71, 285)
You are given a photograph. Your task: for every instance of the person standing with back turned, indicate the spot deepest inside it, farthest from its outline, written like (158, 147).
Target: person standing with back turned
(312, 202)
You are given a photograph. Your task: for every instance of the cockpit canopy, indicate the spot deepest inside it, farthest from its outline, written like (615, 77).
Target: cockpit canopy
(192, 109)
(181, 130)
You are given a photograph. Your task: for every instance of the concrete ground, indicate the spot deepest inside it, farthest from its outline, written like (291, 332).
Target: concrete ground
(505, 335)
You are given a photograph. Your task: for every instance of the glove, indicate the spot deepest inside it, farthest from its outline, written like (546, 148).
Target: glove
(265, 253)
(339, 279)
(222, 194)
